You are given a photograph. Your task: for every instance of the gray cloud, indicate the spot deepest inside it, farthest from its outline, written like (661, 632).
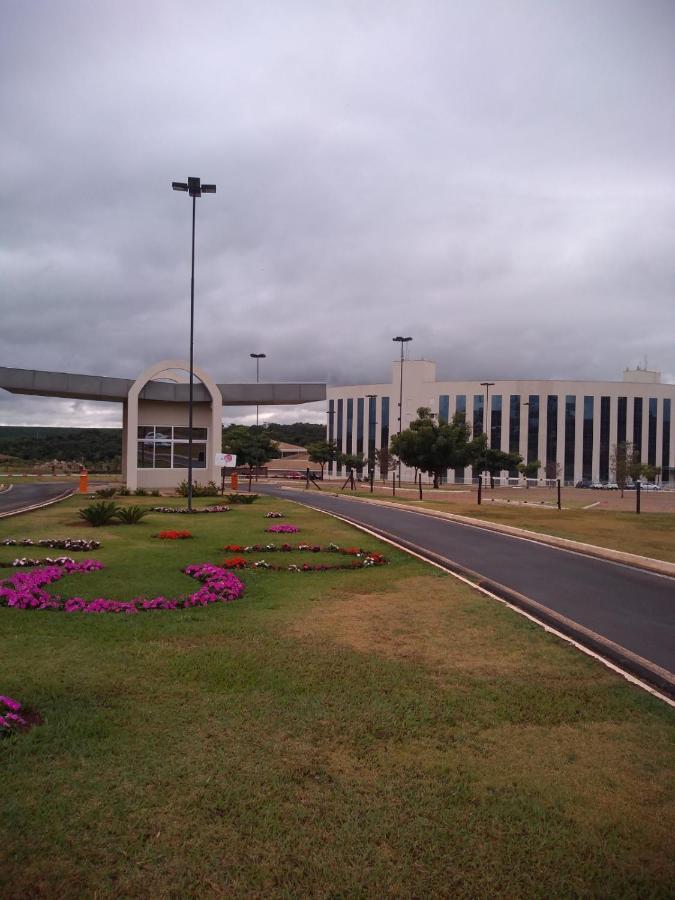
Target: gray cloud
(495, 180)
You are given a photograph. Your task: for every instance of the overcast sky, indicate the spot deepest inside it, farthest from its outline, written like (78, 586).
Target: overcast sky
(496, 179)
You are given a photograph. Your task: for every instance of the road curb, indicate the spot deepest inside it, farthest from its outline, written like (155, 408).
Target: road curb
(646, 563)
(621, 658)
(25, 509)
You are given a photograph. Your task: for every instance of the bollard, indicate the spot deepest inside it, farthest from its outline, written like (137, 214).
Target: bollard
(393, 483)
(637, 498)
(480, 496)
(84, 481)
(234, 481)
(559, 499)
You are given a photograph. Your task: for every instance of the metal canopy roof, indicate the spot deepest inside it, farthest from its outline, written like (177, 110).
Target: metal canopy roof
(99, 387)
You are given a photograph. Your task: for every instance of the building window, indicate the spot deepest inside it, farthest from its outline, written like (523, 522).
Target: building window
(665, 456)
(514, 428)
(384, 423)
(551, 436)
(496, 423)
(651, 433)
(478, 414)
(621, 417)
(350, 424)
(587, 449)
(167, 447)
(444, 407)
(372, 413)
(533, 428)
(570, 435)
(460, 409)
(339, 427)
(637, 427)
(331, 429)
(359, 424)
(604, 438)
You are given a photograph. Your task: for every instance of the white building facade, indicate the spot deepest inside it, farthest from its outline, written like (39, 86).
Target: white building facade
(572, 427)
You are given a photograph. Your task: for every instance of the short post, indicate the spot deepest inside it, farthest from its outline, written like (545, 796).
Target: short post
(393, 483)
(351, 474)
(250, 479)
(372, 480)
(480, 484)
(420, 485)
(307, 478)
(637, 497)
(559, 500)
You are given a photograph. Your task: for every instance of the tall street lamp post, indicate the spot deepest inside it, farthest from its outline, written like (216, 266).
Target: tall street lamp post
(402, 341)
(257, 357)
(195, 189)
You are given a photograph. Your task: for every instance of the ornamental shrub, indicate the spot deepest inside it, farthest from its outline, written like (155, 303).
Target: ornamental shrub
(131, 515)
(106, 492)
(242, 498)
(198, 490)
(101, 513)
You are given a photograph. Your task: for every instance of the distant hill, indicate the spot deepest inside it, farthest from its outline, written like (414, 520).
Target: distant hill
(94, 447)
(101, 448)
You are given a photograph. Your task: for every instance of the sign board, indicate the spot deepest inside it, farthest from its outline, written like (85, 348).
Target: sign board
(227, 460)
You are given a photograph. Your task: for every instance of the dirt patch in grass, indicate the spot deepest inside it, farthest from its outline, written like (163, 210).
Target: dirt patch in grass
(430, 621)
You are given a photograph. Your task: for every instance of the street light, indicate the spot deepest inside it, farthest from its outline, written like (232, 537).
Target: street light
(402, 341)
(257, 357)
(195, 189)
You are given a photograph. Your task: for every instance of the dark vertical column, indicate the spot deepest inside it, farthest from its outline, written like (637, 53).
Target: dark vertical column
(665, 443)
(461, 409)
(533, 428)
(651, 432)
(496, 422)
(551, 435)
(339, 430)
(570, 435)
(331, 429)
(514, 428)
(637, 427)
(350, 425)
(604, 438)
(587, 448)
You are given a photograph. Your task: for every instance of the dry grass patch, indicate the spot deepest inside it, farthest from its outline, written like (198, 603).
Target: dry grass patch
(433, 621)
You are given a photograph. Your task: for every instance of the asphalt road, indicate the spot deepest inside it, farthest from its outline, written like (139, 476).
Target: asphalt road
(23, 495)
(633, 608)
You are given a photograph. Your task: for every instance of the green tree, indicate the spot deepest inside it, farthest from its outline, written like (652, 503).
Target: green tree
(385, 460)
(493, 461)
(351, 461)
(529, 470)
(253, 447)
(433, 446)
(626, 464)
(323, 452)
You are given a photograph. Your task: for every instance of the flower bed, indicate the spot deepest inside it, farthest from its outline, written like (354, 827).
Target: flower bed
(274, 515)
(12, 717)
(282, 529)
(174, 535)
(25, 562)
(25, 590)
(302, 548)
(373, 559)
(72, 544)
(184, 510)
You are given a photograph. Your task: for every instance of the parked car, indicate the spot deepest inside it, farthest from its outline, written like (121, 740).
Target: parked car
(611, 486)
(583, 484)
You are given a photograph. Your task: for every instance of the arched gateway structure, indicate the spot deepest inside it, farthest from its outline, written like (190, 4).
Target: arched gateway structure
(155, 414)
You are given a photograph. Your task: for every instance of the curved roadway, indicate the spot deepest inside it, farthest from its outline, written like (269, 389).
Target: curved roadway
(23, 496)
(633, 608)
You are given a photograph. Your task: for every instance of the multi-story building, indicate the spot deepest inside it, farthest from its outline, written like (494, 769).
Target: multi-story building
(571, 426)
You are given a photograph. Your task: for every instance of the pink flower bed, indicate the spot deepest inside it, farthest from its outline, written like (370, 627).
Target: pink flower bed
(26, 590)
(10, 717)
(282, 529)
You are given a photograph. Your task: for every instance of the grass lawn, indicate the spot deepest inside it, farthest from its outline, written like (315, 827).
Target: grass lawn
(383, 732)
(649, 534)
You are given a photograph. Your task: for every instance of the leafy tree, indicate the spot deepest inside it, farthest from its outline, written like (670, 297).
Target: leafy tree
(301, 433)
(253, 447)
(552, 469)
(351, 461)
(626, 464)
(529, 470)
(385, 460)
(322, 452)
(434, 446)
(493, 461)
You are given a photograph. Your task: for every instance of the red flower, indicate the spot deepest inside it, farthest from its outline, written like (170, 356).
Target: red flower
(236, 562)
(234, 548)
(174, 535)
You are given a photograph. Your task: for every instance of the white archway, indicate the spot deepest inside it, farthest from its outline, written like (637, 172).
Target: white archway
(139, 412)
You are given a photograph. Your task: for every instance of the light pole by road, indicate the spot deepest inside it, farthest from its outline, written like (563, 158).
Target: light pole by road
(195, 188)
(257, 357)
(402, 341)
